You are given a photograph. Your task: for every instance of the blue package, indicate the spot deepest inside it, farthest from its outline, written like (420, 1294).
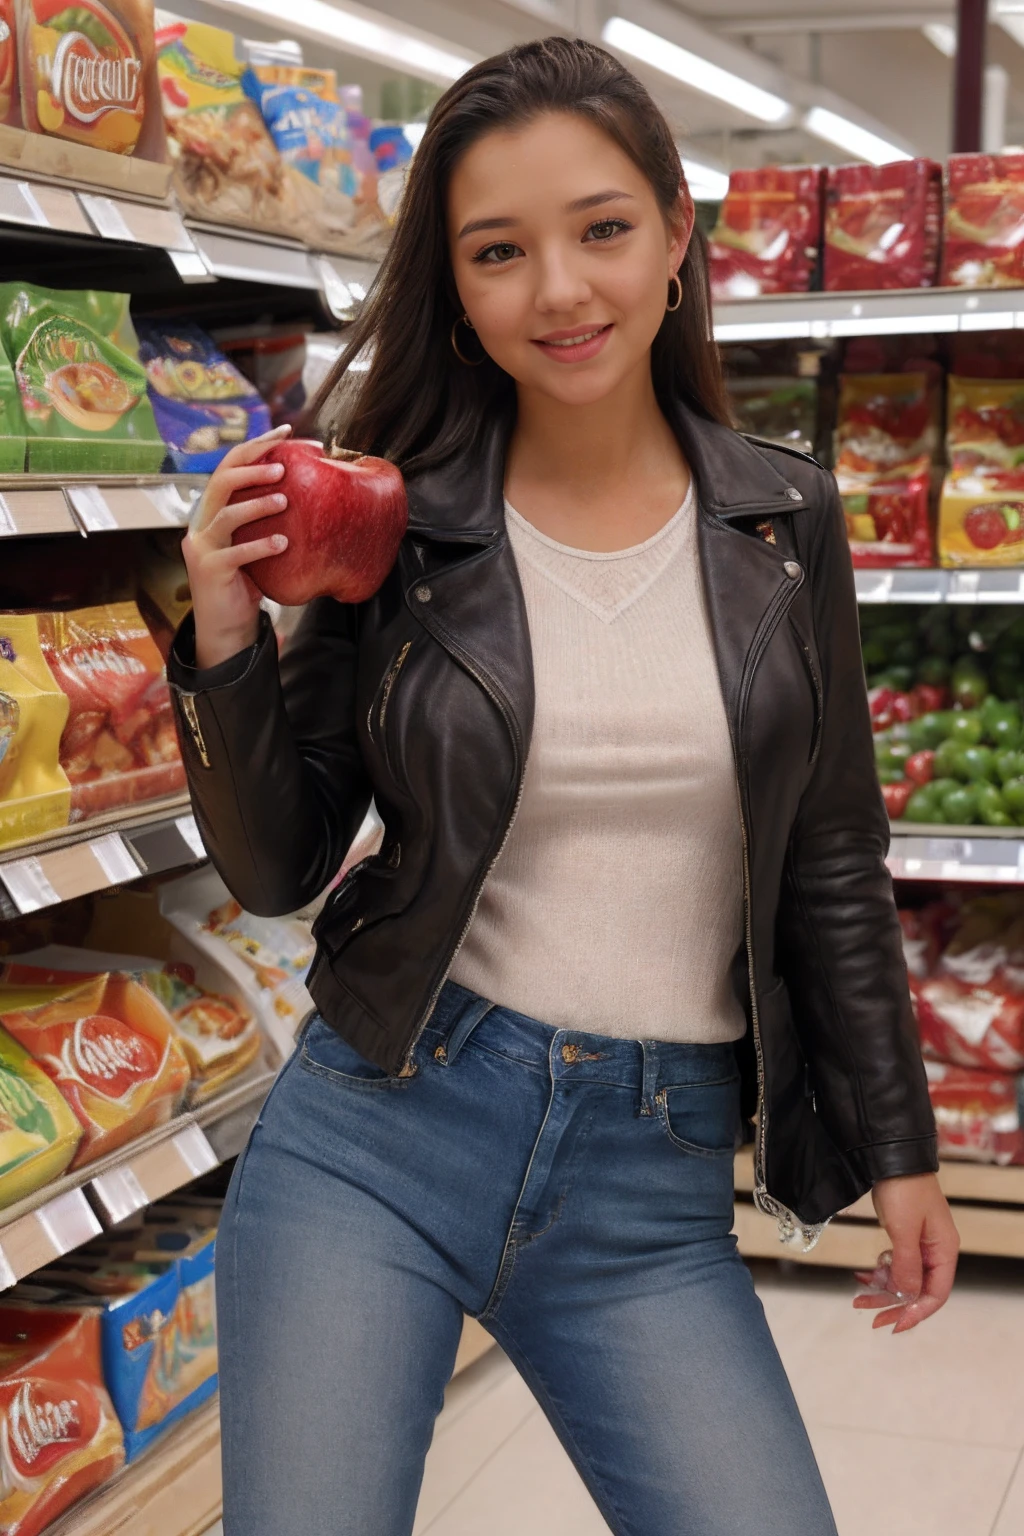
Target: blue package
(308, 126)
(202, 404)
(390, 147)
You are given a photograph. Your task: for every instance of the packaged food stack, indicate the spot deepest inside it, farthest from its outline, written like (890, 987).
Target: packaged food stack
(768, 233)
(202, 404)
(965, 961)
(61, 1436)
(981, 513)
(86, 70)
(35, 793)
(39, 1133)
(984, 225)
(948, 722)
(886, 440)
(883, 225)
(81, 386)
(10, 115)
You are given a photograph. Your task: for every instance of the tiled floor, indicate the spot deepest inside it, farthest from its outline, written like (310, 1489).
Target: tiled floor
(920, 1435)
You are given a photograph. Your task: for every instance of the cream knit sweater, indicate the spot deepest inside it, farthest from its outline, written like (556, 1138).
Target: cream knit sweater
(616, 905)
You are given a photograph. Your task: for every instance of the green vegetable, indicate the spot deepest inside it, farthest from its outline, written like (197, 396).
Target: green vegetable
(923, 805)
(1009, 765)
(977, 763)
(969, 686)
(1013, 796)
(933, 670)
(875, 655)
(992, 808)
(928, 730)
(960, 805)
(947, 758)
(965, 727)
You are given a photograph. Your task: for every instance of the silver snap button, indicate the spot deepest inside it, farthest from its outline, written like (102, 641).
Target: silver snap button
(357, 924)
(793, 493)
(423, 594)
(792, 570)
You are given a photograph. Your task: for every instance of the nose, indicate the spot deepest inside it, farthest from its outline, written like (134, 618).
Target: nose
(561, 286)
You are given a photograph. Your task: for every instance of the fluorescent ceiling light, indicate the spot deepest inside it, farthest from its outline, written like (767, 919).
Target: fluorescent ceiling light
(705, 184)
(362, 33)
(942, 37)
(698, 73)
(852, 137)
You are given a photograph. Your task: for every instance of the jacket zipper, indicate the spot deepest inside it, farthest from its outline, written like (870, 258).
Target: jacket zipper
(389, 683)
(819, 701)
(408, 1069)
(188, 709)
(788, 1222)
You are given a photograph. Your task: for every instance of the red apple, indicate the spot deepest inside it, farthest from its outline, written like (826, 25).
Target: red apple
(346, 515)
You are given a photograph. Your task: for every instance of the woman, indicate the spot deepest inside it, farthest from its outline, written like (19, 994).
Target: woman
(580, 957)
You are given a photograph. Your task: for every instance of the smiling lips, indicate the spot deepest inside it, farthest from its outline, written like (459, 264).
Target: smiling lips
(573, 346)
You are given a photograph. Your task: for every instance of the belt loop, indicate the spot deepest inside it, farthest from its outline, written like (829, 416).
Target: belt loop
(475, 1010)
(650, 1078)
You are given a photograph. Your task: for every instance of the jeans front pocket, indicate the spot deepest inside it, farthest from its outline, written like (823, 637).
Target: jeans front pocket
(324, 1053)
(702, 1118)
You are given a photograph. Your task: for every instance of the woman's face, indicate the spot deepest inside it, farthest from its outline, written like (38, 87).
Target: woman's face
(561, 256)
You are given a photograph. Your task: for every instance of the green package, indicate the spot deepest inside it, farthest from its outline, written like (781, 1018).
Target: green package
(82, 388)
(12, 423)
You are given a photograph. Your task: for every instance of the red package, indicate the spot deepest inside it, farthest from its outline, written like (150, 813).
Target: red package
(984, 236)
(60, 1435)
(111, 1049)
(768, 232)
(119, 746)
(882, 225)
(979, 1115)
(970, 1009)
(889, 524)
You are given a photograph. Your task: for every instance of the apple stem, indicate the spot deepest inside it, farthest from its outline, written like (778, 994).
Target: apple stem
(335, 451)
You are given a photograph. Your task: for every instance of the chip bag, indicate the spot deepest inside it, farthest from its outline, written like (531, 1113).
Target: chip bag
(980, 525)
(38, 1133)
(81, 385)
(112, 1052)
(768, 232)
(202, 404)
(60, 1434)
(984, 234)
(119, 746)
(885, 440)
(985, 431)
(83, 69)
(9, 114)
(35, 793)
(12, 422)
(888, 524)
(979, 1115)
(882, 225)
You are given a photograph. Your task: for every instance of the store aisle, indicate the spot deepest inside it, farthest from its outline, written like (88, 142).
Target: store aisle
(921, 1435)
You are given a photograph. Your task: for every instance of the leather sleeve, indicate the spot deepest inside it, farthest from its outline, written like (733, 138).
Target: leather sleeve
(278, 784)
(840, 947)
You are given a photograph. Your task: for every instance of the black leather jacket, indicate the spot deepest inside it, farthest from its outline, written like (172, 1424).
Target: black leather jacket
(423, 699)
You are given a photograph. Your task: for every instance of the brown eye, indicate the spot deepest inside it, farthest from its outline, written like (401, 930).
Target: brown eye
(604, 229)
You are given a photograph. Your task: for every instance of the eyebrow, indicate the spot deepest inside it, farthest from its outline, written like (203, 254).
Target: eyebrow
(578, 205)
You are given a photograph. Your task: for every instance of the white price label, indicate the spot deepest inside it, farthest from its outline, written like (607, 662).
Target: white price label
(106, 215)
(7, 523)
(173, 502)
(90, 506)
(26, 881)
(195, 1151)
(186, 825)
(114, 859)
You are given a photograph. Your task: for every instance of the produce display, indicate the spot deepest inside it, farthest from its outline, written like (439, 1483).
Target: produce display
(883, 224)
(84, 69)
(885, 441)
(946, 690)
(346, 516)
(61, 1436)
(984, 228)
(202, 404)
(768, 232)
(81, 385)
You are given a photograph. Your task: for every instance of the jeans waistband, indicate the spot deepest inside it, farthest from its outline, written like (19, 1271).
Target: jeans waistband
(644, 1065)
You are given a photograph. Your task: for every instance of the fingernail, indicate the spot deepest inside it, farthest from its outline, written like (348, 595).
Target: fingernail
(280, 541)
(279, 500)
(278, 470)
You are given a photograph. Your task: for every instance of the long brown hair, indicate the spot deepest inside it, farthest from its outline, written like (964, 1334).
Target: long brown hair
(418, 404)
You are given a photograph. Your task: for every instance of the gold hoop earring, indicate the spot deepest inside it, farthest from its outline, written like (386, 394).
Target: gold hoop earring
(470, 362)
(671, 308)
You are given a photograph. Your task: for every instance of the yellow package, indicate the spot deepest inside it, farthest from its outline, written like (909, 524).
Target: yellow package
(35, 793)
(83, 68)
(39, 1133)
(980, 525)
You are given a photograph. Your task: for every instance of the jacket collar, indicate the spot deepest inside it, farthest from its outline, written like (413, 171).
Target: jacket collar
(462, 500)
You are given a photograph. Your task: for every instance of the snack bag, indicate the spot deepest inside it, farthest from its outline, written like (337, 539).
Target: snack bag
(979, 524)
(82, 387)
(112, 1052)
(38, 1133)
(60, 1434)
(119, 746)
(226, 166)
(970, 1009)
(887, 523)
(83, 69)
(984, 236)
(780, 410)
(9, 114)
(985, 431)
(979, 1115)
(201, 402)
(306, 121)
(885, 427)
(882, 225)
(768, 232)
(12, 422)
(35, 794)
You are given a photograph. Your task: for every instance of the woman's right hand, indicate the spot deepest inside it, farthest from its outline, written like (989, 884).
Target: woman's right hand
(226, 603)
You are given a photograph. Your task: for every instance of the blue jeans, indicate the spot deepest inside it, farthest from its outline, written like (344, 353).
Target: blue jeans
(574, 1193)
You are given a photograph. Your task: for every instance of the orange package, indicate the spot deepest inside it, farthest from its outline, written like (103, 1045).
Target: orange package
(8, 64)
(83, 68)
(119, 746)
(60, 1435)
(112, 1052)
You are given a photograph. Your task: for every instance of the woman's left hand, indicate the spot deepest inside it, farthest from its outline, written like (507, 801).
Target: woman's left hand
(917, 1272)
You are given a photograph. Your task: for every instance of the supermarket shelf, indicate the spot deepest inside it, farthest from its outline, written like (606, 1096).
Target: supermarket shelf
(987, 1202)
(31, 505)
(107, 851)
(342, 281)
(822, 316)
(978, 855)
(935, 586)
(67, 1213)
